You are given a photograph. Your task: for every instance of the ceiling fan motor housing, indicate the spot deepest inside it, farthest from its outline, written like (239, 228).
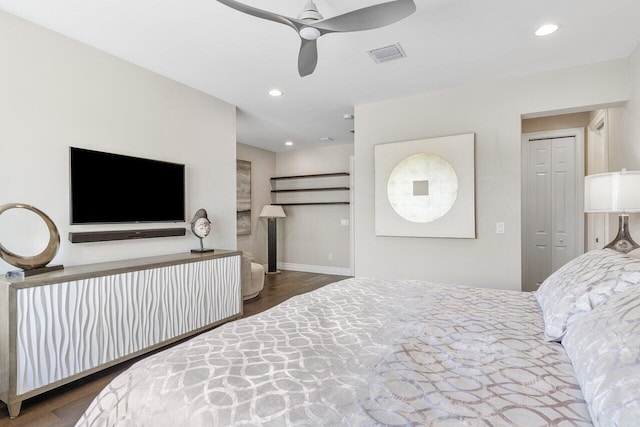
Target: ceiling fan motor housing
(310, 12)
(309, 33)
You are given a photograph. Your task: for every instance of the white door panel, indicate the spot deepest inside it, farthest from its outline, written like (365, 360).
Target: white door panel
(563, 215)
(539, 189)
(552, 212)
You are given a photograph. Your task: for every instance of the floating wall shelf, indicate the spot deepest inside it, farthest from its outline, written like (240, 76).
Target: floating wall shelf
(312, 203)
(297, 193)
(318, 175)
(293, 190)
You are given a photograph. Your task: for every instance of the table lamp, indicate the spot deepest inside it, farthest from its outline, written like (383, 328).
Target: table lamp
(615, 192)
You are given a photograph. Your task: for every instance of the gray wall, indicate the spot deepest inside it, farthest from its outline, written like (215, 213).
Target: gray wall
(562, 121)
(312, 237)
(56, 93)
(631, 146)
(263, 167)
(493, 111)
(624, 140)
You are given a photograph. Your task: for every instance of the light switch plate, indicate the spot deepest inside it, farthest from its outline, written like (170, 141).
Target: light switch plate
(499, 227)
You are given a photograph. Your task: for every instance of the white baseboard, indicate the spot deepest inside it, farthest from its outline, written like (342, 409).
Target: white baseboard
(323, 269)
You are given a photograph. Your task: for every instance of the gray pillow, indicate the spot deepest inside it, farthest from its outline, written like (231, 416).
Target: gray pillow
(604, 348)
(581, 285)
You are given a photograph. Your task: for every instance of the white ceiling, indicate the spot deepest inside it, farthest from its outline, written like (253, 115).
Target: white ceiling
(238, 58)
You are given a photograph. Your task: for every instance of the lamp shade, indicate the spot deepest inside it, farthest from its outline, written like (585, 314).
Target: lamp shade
(272, 211)
(612, 192)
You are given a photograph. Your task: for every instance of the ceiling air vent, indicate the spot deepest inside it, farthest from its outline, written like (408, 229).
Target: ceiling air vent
(387, 53)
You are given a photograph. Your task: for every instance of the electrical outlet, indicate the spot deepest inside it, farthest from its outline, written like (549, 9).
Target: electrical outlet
(330, 257)
(344, 222)
(499, 227)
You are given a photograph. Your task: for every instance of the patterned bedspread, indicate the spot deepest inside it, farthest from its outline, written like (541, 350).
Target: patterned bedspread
(359, 352)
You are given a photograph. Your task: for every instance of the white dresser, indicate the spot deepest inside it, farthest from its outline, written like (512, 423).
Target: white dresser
(60, 326)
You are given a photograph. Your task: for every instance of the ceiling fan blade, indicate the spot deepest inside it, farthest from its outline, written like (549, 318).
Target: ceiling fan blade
(264, 14)
(308, 57)
(367, 18)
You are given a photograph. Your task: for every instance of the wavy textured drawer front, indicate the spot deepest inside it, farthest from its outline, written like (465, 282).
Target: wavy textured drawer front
(67, 328)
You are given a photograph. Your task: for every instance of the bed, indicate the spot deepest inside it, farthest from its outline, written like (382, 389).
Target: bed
(366, 351)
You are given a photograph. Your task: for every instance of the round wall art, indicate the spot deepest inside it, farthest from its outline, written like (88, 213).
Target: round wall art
(43, 258)
(422, 187)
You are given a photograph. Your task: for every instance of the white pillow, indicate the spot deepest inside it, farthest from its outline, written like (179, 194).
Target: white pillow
(634, 253)
(604, 348)
(581, 285)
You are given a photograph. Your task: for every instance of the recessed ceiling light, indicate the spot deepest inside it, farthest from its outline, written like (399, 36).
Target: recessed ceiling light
(288, 143)
(326, 139)
(275, 92)
(546, 29)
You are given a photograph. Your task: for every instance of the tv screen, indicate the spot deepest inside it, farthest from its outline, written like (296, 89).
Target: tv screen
(113, 188)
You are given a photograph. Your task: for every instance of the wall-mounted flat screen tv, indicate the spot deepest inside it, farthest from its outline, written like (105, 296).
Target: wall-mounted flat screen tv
(114, 188)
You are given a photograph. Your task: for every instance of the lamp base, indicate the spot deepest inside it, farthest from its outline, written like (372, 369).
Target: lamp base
(273, 272)
(201, 251)
(623, 241)
(271, 247)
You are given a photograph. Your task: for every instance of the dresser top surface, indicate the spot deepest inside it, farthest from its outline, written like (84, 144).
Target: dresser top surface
(80, 272)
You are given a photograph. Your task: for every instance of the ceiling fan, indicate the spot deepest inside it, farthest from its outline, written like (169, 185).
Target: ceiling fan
(310, 24)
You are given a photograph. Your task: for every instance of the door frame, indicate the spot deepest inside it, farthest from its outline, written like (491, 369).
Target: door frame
(600, 121)
(352, 214)
(578, 134)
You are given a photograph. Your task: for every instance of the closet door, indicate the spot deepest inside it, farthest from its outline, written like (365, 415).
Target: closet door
(551, 220)
(563, 202)
(539, 212)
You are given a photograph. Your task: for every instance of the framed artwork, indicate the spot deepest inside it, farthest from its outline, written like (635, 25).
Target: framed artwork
(426, 187)
(243, 196)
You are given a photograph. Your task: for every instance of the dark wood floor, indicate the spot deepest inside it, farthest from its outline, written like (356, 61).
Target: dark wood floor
(64, 405)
